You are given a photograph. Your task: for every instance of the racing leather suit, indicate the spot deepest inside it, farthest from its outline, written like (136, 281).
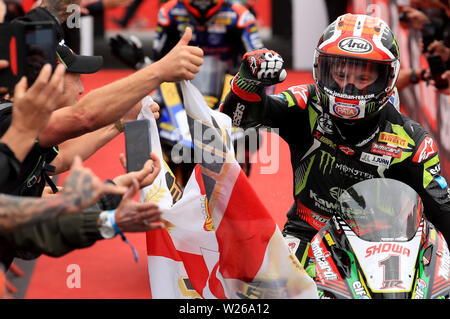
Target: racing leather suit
(324, 163)
(229, 33)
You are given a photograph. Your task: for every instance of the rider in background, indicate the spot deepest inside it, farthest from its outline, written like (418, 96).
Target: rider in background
(344, 128)
(221, 27)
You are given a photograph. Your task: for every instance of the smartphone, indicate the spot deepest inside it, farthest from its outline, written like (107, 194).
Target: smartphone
(437, 67)
(137, 144)
(27, 46)
(40, 45)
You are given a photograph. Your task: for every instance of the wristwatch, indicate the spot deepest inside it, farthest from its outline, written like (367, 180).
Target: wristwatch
(413, 78)
(106, 228)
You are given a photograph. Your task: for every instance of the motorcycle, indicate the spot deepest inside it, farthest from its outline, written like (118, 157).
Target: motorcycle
(380, 245)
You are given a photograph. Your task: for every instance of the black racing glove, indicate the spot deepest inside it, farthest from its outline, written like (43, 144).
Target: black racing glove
(129, 51)
(260, 68)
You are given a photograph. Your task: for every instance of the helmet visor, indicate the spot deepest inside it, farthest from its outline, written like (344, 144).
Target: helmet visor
(353, 79)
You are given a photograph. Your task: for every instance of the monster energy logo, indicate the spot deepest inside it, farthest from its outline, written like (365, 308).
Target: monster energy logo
(371, 107)
(326, 162)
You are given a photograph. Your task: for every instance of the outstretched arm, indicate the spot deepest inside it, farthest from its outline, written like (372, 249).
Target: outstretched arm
(81, 189)
(107, 104)
(87, 144)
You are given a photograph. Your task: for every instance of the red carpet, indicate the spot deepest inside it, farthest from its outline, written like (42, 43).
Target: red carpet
(107, 269)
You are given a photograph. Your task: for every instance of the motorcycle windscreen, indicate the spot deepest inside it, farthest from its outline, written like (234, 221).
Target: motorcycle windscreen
(381, 209)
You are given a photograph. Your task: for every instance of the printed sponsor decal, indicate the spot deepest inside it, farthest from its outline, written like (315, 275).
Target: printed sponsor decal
(426, 149)
(318, 135)
(214, 28)
(441, 181)
(226, 15)
(383, 161)
(348, 111)
(237, 114)
(329, 239)
(353, 172)
(315, 220)
(223, 21)
(435, 170)
(355, 45)
(326, 271)
(387, 248)
(327, 161)
(336, 192)
(392, 139)
(386, 150)
(359, 290)
(347, 96)
(324, 124)
(347, 150)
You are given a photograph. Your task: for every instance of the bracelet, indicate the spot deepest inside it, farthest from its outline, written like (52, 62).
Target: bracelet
(112, 220)
(119, 125)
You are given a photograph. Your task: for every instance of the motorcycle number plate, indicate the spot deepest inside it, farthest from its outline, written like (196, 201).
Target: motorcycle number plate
(388, 266)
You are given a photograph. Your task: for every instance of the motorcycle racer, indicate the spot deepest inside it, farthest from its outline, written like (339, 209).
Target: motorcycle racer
(343, 129)
(221, 27)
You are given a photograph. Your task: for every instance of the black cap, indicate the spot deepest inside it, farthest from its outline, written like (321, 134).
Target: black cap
(83, 64)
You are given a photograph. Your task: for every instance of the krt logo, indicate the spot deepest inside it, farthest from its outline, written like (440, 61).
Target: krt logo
(326, 162)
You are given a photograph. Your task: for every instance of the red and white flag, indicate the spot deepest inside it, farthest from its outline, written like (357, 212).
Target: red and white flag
(220, 241)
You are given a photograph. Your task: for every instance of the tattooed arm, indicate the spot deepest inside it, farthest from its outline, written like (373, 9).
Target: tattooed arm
(18, 211)
(81, 189)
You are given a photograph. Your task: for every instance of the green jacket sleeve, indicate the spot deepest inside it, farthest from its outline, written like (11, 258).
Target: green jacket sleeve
(61, 235)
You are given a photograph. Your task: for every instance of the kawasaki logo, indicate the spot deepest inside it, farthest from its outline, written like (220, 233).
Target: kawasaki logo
(355, 45)
(324, 205)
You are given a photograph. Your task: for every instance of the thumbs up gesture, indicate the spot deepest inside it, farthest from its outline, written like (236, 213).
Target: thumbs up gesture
(182, 62)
